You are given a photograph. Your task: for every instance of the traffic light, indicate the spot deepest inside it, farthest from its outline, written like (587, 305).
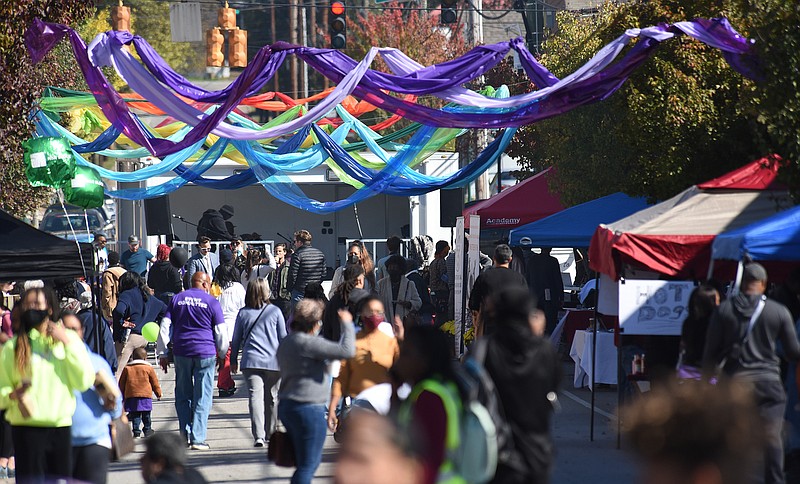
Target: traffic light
(338, 25)
(226, 18)
(449, 14)
(214, 43)
(121, 18)
(237, 48)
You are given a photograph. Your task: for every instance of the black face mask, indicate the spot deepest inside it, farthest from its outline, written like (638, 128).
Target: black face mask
(32, 318)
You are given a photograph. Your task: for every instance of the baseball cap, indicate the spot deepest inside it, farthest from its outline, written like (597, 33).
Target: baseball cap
(133, 239)
(754, 272)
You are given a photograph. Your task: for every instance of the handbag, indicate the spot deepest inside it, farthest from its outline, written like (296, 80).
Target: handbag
(281, 449)
(122, 442)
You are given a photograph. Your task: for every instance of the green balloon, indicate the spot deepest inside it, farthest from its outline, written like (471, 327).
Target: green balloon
(85, 189)
(48, 161)
(150, 331)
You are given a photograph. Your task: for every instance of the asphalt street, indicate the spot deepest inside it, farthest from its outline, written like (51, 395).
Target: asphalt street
(232, 457)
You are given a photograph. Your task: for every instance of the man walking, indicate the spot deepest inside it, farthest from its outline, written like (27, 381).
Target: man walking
(307, 266)
(545, 283)
(135, 258)
(110, 285)
(192, 324)
(204, 261)
(744, 332)
(499, 278)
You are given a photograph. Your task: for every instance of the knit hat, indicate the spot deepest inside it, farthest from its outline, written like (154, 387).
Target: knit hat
(754, 272)
(226, 211)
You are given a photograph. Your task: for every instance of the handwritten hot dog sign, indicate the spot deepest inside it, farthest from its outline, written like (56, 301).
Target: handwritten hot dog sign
(653, 307)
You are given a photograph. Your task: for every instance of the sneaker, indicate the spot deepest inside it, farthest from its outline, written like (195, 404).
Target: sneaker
(149, 432)
(137, 435)
(227, 393)
(200, 446)
(259, 443)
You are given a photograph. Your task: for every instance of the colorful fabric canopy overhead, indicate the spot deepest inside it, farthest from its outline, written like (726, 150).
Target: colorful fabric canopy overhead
(523, 203)
(213, 128)
(675, 236)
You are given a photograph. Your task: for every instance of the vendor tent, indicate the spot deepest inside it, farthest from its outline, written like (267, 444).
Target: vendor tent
(675, 236)
(523, 203)
(775, 238)
(574, 226)
(29, 253)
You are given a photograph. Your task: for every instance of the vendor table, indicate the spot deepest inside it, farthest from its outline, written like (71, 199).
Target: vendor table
(581, 353)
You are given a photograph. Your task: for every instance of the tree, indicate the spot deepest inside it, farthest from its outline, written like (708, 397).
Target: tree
(150, 20)
(21, 84)
(677, 121)
(774, 103)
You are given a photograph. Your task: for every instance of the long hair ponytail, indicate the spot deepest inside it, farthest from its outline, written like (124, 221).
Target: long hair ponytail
(22, 348)
(351, 274)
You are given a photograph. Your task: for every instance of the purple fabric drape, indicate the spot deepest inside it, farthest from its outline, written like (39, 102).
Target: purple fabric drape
(595, 81)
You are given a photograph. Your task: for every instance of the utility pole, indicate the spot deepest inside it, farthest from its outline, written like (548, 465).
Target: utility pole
(478, 137)
(293, 39)
(273, 27)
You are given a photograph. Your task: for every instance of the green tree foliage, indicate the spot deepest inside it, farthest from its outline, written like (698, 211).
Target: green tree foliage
(149, 20)
(677, 121)
(775, 102)
(21, 83)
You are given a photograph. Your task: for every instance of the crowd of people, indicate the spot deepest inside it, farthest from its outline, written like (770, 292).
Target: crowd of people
(366, 361)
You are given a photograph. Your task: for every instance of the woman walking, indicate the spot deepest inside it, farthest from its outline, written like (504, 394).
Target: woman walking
(164, 278)
(258, 332)
(40, 369)
(376, 352)
(135, 308)
(305, 386)
(232, 299)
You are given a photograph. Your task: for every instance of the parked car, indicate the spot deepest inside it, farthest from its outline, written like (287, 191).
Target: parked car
(57, 222)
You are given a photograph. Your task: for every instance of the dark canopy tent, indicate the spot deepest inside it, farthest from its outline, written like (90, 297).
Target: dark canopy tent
(29, 253)
(574, 226)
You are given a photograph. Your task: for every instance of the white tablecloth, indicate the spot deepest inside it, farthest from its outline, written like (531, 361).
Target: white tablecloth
(581, 353)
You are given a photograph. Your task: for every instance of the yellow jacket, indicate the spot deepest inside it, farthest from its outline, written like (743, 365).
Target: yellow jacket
(56, 370)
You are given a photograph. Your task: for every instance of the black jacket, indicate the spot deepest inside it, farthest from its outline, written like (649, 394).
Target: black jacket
(212, 225)
(164, 278)
(308, 265)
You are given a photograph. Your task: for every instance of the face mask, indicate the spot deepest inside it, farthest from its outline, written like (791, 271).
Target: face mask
(318, 328)
(372, 321)
(32, 318)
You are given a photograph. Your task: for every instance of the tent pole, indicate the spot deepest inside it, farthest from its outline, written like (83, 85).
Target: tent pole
(594, 358)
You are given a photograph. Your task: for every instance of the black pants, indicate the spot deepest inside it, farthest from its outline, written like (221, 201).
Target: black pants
(42, 452)
(139, 418)
(771, 400)
(90, 463)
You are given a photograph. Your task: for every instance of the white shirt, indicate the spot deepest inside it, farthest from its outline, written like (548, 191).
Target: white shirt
(231, 300)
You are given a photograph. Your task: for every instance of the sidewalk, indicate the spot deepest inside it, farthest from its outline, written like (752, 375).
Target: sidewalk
(232, 456)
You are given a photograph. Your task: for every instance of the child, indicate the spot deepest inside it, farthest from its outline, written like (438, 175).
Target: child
(138, 383)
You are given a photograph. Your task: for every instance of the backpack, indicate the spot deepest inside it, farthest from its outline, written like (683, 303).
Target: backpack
(485, 434)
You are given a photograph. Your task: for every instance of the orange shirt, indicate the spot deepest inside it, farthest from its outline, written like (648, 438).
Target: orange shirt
(376, 352)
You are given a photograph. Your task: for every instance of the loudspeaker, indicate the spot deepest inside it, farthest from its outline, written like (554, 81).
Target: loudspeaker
(451, 205)
(157, 216)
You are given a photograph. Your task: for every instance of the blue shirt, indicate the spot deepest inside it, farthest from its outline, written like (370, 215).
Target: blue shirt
(258, 333)
(136, 261)
(90, 421)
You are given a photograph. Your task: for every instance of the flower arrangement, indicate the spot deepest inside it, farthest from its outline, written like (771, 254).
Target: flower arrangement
(449, 327)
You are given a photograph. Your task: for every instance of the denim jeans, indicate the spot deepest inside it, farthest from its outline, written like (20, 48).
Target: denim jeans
(306, 425)
(194, 383)
(139, 418)
(297, 296)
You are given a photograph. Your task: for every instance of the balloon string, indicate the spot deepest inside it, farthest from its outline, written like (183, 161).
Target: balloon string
(72, 229)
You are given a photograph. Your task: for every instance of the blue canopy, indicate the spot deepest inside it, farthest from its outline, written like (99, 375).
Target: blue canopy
(574, 226)
(775, 238)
